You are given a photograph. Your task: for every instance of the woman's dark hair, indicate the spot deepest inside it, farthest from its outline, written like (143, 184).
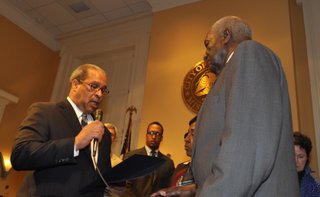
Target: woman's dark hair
(304, 142)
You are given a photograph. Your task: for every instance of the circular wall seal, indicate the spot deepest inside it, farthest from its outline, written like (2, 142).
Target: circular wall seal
(196, 86)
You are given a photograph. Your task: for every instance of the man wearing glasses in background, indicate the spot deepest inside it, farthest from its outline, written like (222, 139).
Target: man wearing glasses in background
(55, 140)
(159, 178)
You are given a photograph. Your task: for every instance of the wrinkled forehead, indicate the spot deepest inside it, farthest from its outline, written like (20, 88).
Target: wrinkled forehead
(212, 34)
(96, 75)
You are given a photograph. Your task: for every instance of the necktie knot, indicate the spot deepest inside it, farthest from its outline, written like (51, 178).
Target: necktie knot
(84, 120)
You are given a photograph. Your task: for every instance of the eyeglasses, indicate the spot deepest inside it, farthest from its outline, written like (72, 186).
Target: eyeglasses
(93, 87)
(157, 134)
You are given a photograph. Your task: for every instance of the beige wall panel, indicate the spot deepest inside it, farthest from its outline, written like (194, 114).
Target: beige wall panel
(27, 71)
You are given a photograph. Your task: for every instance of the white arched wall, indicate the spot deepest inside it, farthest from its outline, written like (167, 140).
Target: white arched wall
(311, 17)
(110, 47)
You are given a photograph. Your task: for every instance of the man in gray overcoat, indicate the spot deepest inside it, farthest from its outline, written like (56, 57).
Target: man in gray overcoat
(243, 144)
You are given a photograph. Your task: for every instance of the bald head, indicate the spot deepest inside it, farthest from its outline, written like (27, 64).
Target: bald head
(221, 40)
(238, 28)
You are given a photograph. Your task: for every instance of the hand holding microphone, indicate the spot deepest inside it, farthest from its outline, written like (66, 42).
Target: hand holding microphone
(97, 116)
(94, 130)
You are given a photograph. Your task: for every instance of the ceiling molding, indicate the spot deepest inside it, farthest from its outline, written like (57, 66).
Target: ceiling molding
(21, 20)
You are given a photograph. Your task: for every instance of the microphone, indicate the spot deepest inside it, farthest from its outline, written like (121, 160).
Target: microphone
(97, 116)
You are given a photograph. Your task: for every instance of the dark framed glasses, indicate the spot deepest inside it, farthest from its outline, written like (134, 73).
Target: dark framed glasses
(94, 87)
(155, 133)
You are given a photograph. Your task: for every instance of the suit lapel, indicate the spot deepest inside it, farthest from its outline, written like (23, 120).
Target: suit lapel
(69, 114)
(73, 122)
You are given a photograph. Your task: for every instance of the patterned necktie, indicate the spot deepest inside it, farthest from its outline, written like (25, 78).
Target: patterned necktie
(153, 153)
(84, 120)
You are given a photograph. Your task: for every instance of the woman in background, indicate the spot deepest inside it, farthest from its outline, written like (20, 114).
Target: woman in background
(309, 186)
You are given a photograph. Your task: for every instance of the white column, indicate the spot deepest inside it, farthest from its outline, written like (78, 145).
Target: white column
(311, 16)
(66, 66)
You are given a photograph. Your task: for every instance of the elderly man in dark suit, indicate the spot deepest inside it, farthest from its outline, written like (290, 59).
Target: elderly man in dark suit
(159, 178)
(243, 141)
(55, 140)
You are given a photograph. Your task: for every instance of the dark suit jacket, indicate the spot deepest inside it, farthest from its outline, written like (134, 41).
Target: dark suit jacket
(148, 184)
(243, 140)
(45, 144)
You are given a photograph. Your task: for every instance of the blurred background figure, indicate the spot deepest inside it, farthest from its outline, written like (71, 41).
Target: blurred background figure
(309, 186)
(115, 189)
(182, 182)
(182, 174)
(113, 131)
(158, 179)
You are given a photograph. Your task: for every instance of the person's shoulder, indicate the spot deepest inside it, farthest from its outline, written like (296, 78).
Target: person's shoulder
(252, 46)
(138, 151)
(47, 104)
(163, 156)
(310, 185)
(183, 164)
(42, 106)
(314, 180)
(250, 49)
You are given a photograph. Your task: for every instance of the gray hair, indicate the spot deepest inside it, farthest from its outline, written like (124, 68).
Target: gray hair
(239, 29)
(81, 73)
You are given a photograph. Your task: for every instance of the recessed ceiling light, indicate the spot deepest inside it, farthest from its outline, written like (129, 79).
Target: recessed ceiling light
(79, 7)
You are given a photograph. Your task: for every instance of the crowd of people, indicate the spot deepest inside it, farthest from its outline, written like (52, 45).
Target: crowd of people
(240, 143)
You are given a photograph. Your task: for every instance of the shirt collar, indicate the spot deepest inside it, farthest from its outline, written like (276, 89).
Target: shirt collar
(149, 150)
(78, 111)
(75, 108)
(230, 56)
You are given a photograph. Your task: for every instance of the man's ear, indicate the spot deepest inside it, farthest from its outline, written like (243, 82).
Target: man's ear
(226, 35)
(75, 82)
